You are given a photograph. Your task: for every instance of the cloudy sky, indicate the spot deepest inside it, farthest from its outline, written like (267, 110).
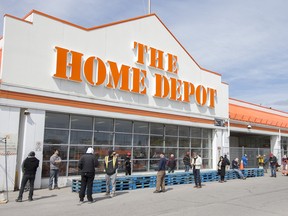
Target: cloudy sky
(244, 40)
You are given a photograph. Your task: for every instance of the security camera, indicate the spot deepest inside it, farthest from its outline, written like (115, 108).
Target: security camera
(26, 112)
(249, 126)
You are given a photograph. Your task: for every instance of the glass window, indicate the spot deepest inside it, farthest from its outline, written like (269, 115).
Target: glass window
(195, 132)
(171, 141)
(46, 169)
(123, 139)
(207, 133)
(207, 153)
(140, 165)
(140, 140)
(81, 122)
(182, 152)
(102, 151)
(171, 130)
(101, 138)
(123, 126)
(104, 124)
(52, 136)
(48, 151)
(154, 165)
(140, 153)
(122, 152)
(81, 137)
(157, 128)
(169, 151)
(183, 131)
(184, 142)
(77, 151)
(195, 143)
(56, 120)
(206, 163)
(100, 169)
(156, 141)
(155, 152)
(73, 168)
(206, 143)
(141, 127)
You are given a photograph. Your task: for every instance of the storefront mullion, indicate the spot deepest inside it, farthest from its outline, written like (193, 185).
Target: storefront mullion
(68, 153)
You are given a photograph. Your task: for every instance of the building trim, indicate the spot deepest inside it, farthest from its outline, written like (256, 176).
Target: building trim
(86, 105)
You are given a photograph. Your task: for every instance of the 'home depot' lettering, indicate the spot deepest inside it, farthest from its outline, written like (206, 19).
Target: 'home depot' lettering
(72, 66)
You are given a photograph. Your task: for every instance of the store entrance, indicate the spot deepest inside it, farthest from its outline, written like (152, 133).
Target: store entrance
(250, 144)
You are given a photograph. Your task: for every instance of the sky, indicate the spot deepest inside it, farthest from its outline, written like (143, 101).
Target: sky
(245, 41)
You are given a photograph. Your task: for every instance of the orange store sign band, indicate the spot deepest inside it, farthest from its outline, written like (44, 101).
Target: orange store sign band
(71, 65)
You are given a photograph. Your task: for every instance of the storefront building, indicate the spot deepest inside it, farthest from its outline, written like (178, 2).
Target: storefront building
(130, 86)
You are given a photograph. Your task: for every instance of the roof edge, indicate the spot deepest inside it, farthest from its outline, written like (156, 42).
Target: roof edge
(111, 24)
(257, 105)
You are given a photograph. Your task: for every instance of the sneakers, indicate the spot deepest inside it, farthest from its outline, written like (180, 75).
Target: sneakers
(107, 193)
(30, 199)
(18, 200)
(50, 188)
(113, 194)
(57, 188)
(156, 191)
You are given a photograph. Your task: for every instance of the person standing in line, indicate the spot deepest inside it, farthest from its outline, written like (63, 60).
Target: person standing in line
(187, 161)
(127, 163)
(196, 166)
(273, 163)
(29, 166)
(111, 166)
(221, 169)
(160, 182)
(235, 167)
(87, 164)
(284, 163)
(55, 162)
(244, 160)
(171, 164)
(260, 160)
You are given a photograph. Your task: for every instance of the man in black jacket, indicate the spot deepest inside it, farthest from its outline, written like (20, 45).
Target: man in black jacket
(29, 166)
(87, 164)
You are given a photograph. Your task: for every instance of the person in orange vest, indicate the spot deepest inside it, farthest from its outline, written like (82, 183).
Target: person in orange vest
(111, 166)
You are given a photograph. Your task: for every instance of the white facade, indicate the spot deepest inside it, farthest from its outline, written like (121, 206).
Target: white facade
(28, 82)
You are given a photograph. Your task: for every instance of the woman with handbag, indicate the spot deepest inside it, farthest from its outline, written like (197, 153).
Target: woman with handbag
(221, 169)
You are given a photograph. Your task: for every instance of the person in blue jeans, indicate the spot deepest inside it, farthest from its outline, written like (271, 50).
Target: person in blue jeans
(55, 162)
(235, 167)
(196, 163)
(187, 161)
(273, 163)
(245, 160)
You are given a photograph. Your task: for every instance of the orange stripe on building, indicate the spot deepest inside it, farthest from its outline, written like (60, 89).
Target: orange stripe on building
(93, 106)
(250, 115)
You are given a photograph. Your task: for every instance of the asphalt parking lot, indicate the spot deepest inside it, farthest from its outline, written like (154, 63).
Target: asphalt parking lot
(254, 196)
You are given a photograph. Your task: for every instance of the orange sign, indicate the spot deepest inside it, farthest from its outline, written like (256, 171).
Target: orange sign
(71, 65)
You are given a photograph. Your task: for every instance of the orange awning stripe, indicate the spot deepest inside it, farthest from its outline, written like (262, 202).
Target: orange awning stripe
(257, 116)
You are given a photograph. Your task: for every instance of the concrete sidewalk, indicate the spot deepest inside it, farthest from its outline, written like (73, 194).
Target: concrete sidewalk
(255, 196)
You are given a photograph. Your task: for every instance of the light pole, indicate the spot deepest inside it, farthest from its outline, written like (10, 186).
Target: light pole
(4, 140)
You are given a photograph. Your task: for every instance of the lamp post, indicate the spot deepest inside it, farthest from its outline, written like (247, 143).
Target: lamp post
(4, 140)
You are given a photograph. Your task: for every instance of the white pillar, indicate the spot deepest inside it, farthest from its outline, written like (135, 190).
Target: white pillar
(275, 143)
(31, 139)
(9, 127)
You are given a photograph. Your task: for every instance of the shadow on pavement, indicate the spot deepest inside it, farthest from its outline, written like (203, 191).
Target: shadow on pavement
(44, 197)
